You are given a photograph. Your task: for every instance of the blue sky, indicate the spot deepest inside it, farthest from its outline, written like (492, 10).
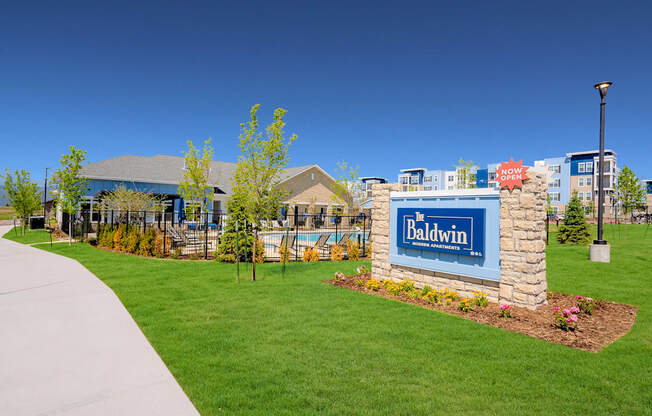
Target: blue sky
(384, 86)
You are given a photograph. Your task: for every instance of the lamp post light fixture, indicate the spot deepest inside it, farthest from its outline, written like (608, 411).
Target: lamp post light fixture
(599, 250)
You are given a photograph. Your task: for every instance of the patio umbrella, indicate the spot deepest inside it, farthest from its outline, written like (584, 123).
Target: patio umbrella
(182, 211)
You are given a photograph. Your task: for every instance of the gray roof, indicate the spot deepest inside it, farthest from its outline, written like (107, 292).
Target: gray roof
(165, 169)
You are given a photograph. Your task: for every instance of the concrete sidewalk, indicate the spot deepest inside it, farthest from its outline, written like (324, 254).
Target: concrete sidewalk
(69, 347)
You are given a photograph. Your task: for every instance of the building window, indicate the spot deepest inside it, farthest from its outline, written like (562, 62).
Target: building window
(312, 176)
(589, 181)
(580, 196)
(580, 167)
(436, 188)
(554, 196)
(554, 168)
(451, 178)
(589, 166)
(427, 179)
(404, 180)
(427, 188)
(414, 180)
(581, 182)
(450, 187)
(404, 188)
(555, 210)
(436, 179)
(492, 176)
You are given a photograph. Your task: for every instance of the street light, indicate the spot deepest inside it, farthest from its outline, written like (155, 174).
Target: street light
(599, 250)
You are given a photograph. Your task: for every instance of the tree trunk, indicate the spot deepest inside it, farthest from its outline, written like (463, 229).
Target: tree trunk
(253, 257)
(69, 230)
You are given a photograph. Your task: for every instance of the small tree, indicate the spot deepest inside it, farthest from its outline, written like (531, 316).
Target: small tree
(72, 186)
(574, 230)
(346, 188)
(194, 187)
(257, 177)
(629, 190)
(591, 207)
(23, 194)
(465, 174)
(126, 200)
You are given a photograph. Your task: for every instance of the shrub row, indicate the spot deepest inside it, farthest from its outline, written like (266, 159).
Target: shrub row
(132, 240)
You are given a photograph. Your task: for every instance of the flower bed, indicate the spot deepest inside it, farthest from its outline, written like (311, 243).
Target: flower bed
(606, 322)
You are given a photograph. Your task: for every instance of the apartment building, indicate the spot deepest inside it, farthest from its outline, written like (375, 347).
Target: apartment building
(648, 194)
(420, 179)
(579, 172)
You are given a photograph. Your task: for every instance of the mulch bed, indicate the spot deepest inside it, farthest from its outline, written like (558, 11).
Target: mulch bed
(608, 322)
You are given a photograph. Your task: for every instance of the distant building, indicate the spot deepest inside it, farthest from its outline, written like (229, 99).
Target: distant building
(578, 172)
(648, 194)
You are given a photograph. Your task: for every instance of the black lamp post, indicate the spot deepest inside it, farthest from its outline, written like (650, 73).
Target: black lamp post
(602, 88)
(45, 192)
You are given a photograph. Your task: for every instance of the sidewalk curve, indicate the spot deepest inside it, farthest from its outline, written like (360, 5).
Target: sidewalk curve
(69, 347)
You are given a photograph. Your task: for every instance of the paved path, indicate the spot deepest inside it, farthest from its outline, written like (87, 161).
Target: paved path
(69, 347)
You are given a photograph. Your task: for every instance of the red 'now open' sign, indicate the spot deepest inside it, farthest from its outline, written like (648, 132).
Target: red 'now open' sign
(511, 174)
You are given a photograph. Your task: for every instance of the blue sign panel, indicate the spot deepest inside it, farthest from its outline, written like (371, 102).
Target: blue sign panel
(447, 230)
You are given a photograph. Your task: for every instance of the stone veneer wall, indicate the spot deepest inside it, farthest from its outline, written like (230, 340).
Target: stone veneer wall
(522, 248)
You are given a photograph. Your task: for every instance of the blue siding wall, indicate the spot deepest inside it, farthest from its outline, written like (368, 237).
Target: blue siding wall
(482, 178)
(575, 160)
(487, 267)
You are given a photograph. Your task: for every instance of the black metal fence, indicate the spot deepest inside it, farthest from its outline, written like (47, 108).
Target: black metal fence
(202, 234)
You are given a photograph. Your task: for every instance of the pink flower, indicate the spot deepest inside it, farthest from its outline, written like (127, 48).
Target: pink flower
(566, 312)
(568, 320)
(573, 318)
(575, 309)
(556, 308)
(589, 299)
(579, 297)
(504, 306)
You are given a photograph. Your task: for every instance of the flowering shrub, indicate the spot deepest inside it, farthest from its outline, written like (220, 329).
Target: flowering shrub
(480, 299)
(358, 282)
(465, 305)
(387, 283)
(362, 270)
(413, 294)
(310, 255)
(373, 284)
(433, 296)
(426, 289)
(565, 319)
(449, 295)
(505, 311)
(339, 276)
(394, 289)
(586, 304)
(336, 253)
(407, 285)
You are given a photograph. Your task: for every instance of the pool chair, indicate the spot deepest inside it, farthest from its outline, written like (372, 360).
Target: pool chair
(321, 245)
(291, 240)
(343, 239)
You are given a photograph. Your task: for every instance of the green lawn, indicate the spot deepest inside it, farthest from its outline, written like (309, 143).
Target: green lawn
(30, 237)
(295, 345)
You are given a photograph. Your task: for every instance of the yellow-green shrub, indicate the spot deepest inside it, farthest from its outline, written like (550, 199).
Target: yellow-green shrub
(352, 250)
(132, 241)
(284, 253)
(373, 284)
(336, 253)
(117, 237)
(310, 255)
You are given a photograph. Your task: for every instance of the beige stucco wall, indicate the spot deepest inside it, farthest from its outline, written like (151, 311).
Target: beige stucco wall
(522, 248)
(303, 188)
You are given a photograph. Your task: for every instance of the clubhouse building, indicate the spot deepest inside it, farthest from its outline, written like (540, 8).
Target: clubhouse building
(308, 187)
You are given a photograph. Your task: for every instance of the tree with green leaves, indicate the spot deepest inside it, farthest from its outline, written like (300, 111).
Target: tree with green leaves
(574, 229)
(194, 187)
(629, 190)
(23, 194)
(122, 200)
(71, 186)
(465, 174)
(257, 177)
(346, 188)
